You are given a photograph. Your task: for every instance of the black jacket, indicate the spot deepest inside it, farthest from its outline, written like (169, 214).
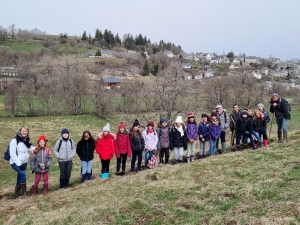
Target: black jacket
(176, 140)
(233, 119)
(259, 124)
(85, 149)
(137, 143)
(280, 109)
(244, 124)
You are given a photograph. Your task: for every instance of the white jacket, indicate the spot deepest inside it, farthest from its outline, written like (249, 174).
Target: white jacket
(22, 150)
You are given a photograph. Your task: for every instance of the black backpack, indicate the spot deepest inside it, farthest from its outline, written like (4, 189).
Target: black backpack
(287, 108)
(60, 142)
(6, 153)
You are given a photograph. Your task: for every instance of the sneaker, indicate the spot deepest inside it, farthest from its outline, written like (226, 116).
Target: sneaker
(193, 158)
(118, 173)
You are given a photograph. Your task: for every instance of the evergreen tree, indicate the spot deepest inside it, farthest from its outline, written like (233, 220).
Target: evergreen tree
(98, 53)
(106, 36)
(98, 35)
(84, 36)
(90, 39)
(155, 69)
(111, 39)
(146, 68)
(117, 39)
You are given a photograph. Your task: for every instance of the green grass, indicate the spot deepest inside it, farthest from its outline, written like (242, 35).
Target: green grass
(19, 45)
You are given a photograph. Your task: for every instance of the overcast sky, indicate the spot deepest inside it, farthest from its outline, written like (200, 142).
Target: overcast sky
(253, 27)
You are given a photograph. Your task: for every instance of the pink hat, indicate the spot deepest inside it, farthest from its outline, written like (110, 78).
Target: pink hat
(190, 114)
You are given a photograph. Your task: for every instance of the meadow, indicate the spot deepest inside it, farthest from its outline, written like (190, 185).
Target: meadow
(248, 187)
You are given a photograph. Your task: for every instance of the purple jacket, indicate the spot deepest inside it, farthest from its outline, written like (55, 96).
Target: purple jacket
(192, 131)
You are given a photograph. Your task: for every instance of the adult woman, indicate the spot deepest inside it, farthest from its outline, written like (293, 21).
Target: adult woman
(18, 150)
(85, 150)
(64, 150)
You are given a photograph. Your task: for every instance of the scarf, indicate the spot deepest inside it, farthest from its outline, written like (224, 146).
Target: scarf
(180, 129)
(25, 140)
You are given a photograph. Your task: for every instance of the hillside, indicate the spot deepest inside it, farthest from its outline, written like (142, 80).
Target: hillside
(248, 187)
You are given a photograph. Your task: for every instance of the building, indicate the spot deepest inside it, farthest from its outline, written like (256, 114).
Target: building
(186, 65)
(111, 82)
(216, 59)
(107, 53)
(6, 71)
(170, 54)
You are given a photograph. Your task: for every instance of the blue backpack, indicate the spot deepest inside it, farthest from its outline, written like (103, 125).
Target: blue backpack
(6, 153)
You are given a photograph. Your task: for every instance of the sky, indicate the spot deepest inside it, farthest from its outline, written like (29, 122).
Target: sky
(254, 27)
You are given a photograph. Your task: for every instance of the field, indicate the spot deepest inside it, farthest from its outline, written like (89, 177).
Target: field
(248, 187)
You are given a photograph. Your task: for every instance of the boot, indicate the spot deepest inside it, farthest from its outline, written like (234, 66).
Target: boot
(122, 173)
(259, 143)
(279, 133)
(83, 176)
(192, 158)
(45, 189)
(23, 188)
(223, 147)
(179, 161)
(34, 189)
(254, 146)
(89, 176)
(284, 136)
(238, 148)
(132, 170)
(266, 143)
(17, 191)
(138, 169)
(187, 159)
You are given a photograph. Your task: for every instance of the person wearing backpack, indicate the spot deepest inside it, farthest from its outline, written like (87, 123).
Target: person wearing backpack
(19, 147)
(40, 161)
(65, 150)
(224, 123)
(204, 133)
(282, 110)
(163, 141)
(85, 150)
(215, 133)
(192, 135)
(260, 107)
(151, 139)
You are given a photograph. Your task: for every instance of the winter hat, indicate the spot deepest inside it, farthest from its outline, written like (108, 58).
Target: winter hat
(204, 115)
(136, 123)
(190, 114)
(42, 137)
(260, 105)
(245, 112)
(214, 114)
(122, 125)
(275, 94)
(106, 128)
(219, 106)
(163, 120)
(150, 123)
(179, 119)
(65, 131)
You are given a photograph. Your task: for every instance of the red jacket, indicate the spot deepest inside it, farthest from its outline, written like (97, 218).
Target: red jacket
(105, 147)
(123, 145)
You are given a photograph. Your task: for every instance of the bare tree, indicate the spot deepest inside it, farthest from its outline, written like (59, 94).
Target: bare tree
(12, 98)
(12, 30)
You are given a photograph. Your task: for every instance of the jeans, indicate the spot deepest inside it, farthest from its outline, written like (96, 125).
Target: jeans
(38, 176)
(139, 155)
(86, 166)
(178, 153)
(122, 159)
(190, 149)
(65, 169)
(245, 135)
(105, 165)
(21, 170)
(212, 146)
(282, 124)
(203, 146)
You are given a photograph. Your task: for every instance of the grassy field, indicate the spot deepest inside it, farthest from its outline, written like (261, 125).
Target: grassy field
(248, 187)
(19, 45)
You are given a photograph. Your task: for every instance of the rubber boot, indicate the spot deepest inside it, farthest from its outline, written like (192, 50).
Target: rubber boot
(83, 176)
(17, 191)
(285, 136)
(23, 188)
(259, 143)
(187, 159)
(279, 134)
(266, 143)
(34, 189)
(45, 189)
(253, 145)
(223, 147)
(192, 158)
(89, 176)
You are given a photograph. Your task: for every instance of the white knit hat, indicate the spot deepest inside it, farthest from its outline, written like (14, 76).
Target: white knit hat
(179, 119)
(106, 128)
(219, 106)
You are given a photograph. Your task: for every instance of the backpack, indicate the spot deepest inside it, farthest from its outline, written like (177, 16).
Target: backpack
(287, 108)
(152, 162)
(6, 153)
(60, 142)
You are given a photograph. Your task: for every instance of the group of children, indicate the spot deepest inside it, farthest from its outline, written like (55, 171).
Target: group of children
(157, 143)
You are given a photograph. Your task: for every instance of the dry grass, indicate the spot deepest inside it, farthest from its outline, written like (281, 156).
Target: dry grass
(248, 187)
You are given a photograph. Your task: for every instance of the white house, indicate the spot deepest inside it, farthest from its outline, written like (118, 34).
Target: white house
(188, 77)
(207, 56)
(273, 60)
(225, 59)
(256, 74)
(107, 53)
(198, 76)
(216, 59)
(8, 71)
(208, 73)
(237, 60)
(186, 65)
(170, 54)
(233, 67)
(252, 59)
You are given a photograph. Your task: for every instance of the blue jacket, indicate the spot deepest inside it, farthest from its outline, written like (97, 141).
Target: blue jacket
(204, 130)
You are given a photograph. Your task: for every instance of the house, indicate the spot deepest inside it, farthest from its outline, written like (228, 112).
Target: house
(215, 60)
(7, 71)
(237, 60)
(186, 65)
(225, 59)
(111, 82)
(107, 53)
(208, 73)
(198, 76)
(188, 77)
(206, 67)
(170, 54)
(265, 70)
(273, 60)
(256, 74)
(89, 54)
(252, 59)
(233, 67)
(268, 85)
(207, 56)
(196, 58)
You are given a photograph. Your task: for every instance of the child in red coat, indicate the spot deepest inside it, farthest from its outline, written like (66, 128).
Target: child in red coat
(123, 148)
(105, 147)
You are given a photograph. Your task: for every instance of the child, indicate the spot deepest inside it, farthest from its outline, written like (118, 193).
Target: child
(40, 162)
(178, 139)
(123, 148)
(244, 128)
(137, 146)
(204, 132)
(105, 147)
(267, 120)
(163, 141)
(192, 134)
(215, 133)
(260, 127)
(151, 140)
